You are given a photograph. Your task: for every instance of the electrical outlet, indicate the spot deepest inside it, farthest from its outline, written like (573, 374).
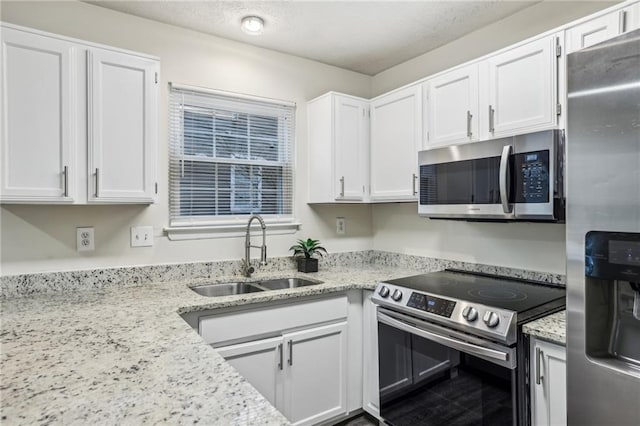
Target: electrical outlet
(341, 225)
(85, 239)
(141, 236)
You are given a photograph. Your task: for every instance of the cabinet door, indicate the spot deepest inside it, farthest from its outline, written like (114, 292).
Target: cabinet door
(594, 31)
(549, 382)
(316, 384)
(350, 155)
(38, 113)
(122, 91)
(370, 387)
(396, 138)
(452, 107)
(522, 88)
(631, 17)
(260, 362)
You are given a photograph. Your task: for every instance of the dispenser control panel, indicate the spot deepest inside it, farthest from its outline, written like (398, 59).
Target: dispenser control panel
(613, 255)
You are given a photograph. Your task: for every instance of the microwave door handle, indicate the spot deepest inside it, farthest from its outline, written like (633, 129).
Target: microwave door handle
(443, 340)
(504, 170)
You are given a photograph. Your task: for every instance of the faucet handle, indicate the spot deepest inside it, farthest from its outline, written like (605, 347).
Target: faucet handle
(263, 255)
(247, 268)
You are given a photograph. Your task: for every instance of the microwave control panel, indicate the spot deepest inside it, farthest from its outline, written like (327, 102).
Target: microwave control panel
(532, 177)
(431, 304)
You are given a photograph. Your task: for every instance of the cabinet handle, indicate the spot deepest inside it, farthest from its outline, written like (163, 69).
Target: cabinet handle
(97, 182)
(415, 177)
(342, 186)
(281, 356)
(491, 118)
(539, 377)
(623, 21)
(65, 173)
(469, 116)
(290, 343)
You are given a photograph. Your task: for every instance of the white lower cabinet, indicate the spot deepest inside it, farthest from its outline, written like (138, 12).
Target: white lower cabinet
(548, 384)
(315, 385)
(303, 373)
(303, 369)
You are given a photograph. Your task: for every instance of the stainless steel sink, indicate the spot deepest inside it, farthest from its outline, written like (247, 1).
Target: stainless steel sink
(230, 289)
(282, 283)
(225, 289)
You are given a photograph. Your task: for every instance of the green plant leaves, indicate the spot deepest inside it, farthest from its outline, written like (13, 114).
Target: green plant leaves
(308, 248)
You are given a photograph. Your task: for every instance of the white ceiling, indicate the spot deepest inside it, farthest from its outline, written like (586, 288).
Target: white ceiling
(363, 36)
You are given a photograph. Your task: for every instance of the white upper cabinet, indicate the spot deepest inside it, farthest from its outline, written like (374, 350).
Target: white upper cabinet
(338, 148)
(594, 31)
(80, 121)
(122, 126)
(632, 17)
(603, 28)
(38, 118)
(522, 88)
(396, 138)
(351, 143)
(452, 107)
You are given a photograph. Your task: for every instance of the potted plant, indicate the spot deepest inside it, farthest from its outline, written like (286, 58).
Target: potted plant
(304, 252)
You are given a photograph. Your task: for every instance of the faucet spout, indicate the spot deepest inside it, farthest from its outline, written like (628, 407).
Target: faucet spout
(248, 269)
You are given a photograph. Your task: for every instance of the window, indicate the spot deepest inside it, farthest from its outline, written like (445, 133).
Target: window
(230, 156)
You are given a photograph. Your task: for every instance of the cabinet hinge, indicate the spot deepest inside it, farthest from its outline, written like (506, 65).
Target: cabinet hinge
(558, 48)
(156, 78)
(156, 187)
(558, 109)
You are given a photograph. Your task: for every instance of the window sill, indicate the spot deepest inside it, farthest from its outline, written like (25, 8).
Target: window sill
(180, 233)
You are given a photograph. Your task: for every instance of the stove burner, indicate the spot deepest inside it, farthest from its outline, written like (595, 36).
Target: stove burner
(497, 293)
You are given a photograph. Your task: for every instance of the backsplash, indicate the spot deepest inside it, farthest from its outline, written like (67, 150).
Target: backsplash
(54, 282)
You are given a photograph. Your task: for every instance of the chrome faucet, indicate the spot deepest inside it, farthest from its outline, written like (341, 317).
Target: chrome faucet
(246, 265)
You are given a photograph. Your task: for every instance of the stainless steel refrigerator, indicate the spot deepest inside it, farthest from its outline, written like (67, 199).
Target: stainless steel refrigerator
(603, 234)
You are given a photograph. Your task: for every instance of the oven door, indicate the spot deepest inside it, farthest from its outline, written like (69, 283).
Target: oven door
(430, 375)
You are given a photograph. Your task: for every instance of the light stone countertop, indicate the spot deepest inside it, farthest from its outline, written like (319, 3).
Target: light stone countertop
(123, 355)
(551, 328)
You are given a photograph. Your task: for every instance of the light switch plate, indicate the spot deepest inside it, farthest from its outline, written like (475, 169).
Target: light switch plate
(141, 236)
(85, 239)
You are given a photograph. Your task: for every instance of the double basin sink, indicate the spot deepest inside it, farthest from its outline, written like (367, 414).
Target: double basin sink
(229, 289)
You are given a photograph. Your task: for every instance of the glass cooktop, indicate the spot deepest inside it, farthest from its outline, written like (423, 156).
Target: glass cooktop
(499, 292)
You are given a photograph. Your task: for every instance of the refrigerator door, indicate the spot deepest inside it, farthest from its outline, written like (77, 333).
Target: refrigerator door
(603, 194)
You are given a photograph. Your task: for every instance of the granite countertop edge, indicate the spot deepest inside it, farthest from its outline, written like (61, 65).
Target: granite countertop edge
(551, 328)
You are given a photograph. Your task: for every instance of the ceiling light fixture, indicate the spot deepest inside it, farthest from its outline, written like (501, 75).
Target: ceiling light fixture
(253, 25)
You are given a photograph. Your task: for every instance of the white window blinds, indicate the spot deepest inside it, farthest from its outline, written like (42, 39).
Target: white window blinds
(229, 157)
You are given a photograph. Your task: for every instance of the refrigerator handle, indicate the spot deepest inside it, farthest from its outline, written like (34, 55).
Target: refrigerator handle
(504, 171)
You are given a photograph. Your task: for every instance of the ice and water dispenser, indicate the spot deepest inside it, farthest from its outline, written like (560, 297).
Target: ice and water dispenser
(612, 299)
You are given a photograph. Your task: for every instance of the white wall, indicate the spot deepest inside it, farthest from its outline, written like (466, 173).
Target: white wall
(42, 238)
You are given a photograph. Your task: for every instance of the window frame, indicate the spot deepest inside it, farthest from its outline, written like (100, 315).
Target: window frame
(233, 224)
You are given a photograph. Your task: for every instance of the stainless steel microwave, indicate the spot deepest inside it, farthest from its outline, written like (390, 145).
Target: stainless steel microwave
(514, 178)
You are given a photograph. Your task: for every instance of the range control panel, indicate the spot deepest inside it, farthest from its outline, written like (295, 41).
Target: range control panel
(431, 304)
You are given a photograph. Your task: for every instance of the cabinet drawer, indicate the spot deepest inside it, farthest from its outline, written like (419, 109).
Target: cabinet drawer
(241, 325)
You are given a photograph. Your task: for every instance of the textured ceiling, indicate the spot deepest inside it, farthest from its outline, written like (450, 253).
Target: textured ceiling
(363, 36)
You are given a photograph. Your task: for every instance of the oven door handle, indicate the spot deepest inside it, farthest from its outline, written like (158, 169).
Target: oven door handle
(444, 340)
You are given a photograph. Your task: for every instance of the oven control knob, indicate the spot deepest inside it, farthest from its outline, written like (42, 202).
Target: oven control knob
(470, 314)
(491, 319)
(384, 291)
(397, 295)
